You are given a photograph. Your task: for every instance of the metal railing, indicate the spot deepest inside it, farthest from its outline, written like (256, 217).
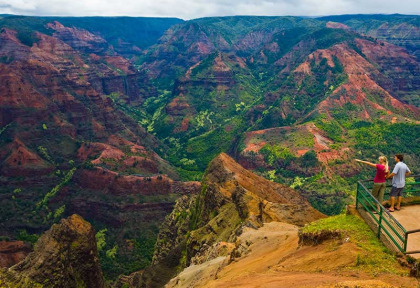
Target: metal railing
(406, 236)
(386, 227)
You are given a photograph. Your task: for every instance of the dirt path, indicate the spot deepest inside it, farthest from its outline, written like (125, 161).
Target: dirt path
(409, 218)
(309, 280)
(275, 260)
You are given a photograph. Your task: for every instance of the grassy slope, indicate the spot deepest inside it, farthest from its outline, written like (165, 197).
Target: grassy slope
(373, 257)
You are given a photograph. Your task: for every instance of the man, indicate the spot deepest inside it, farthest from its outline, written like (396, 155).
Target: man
(398, 182)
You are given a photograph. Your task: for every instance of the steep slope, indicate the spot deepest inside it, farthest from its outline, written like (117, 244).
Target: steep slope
(369, 83)
(278, 255)
(205, 111)
(343, 72)
(64, 256)
(66, 149)
(206, 226)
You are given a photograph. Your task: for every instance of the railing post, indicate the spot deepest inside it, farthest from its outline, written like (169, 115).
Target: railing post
(405, 242)
(380, 222)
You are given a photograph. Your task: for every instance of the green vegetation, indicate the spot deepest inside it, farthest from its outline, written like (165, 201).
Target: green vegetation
(276, 155)
(329, 193)
(111, 253)
(331, 128)
(116, 260)
(2, 129)
(139, 31)
(44, 152)
(53, 192)
(388, 138)
(25, 237)
(58, 213)
(309, 159)
(100, 239)
(197, 209)
(17, 191)
(373, 257)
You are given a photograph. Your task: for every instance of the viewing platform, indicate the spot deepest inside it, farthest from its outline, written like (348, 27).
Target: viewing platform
(398, 230)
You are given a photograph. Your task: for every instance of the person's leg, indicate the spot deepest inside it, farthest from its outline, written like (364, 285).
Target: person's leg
(399, 198)
(399, 195)
(381, 193)
(376, 191)
(392, 204)
(393, 194)
(398, 207)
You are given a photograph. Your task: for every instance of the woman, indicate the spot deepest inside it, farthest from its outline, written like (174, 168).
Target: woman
(382, 171)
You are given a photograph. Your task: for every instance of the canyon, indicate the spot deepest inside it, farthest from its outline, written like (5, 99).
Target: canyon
(145, 128)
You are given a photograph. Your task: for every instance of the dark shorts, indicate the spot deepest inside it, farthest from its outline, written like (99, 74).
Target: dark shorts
(396, 192)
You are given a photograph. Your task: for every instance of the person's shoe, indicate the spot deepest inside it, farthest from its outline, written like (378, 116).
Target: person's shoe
(398, 209)
(389, 210)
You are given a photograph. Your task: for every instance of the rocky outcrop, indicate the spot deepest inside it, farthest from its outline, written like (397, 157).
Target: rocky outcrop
(65, 256)
(206, 226)
(233, 197)
(233, 181)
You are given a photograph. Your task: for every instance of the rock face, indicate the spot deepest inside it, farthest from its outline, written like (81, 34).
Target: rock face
(22, 162)
(206, 226)
(65, 256)
(12, 252)
(81, 40)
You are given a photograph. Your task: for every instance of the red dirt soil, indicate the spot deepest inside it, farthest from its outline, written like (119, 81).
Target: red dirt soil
(274, 259)
(12, 252)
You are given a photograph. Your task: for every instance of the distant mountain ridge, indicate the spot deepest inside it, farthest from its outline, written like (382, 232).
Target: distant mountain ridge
(401, 30)
(127, 34)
